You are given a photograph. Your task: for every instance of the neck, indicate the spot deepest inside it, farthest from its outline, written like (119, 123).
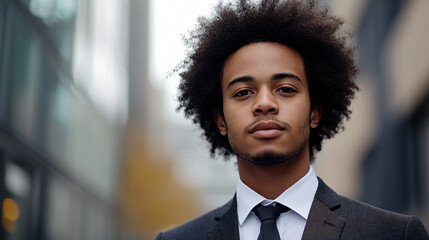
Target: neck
(272, 180)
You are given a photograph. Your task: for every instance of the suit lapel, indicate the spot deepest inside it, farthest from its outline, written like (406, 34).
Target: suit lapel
(322, 222)
(227, 226)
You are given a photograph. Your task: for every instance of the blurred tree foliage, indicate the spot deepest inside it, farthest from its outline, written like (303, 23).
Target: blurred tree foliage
(150, 199)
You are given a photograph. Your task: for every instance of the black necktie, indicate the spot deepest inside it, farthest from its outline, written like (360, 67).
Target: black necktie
(268, 216)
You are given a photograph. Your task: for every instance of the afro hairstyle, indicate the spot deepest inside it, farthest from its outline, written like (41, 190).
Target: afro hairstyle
(302, 25)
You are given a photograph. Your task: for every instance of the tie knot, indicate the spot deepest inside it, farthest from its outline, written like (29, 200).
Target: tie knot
(269, 212)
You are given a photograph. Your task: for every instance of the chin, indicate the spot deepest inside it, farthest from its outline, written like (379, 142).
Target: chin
(271, 157)
(268, 157)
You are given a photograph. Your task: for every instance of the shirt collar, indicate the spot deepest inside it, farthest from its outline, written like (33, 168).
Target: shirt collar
(298, 197)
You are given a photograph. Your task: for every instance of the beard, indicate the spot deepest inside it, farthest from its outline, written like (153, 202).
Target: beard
(271, 157)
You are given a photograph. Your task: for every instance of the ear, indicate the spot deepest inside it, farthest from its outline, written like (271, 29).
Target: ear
(316, 113)
(220, 122)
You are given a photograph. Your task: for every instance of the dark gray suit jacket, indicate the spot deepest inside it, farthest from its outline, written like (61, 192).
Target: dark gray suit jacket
(331, 217)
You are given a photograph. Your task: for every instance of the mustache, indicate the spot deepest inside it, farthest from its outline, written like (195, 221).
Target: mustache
(285, 125)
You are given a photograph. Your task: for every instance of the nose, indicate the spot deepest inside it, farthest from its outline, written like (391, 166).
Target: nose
(265, 103)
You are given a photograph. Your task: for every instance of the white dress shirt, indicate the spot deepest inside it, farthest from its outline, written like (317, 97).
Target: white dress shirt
(291, 224)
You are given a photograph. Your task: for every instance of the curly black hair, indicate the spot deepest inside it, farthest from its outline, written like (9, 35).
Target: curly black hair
(302, 25)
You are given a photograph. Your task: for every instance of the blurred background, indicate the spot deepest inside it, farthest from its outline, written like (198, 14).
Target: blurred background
(91, 146)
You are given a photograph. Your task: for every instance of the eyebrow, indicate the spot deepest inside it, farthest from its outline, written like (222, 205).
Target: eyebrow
(275, 77)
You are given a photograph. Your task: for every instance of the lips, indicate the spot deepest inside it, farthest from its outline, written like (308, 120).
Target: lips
(266, 129)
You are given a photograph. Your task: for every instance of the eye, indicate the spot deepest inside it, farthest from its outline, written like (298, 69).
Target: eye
(286, 90)
(243, 93)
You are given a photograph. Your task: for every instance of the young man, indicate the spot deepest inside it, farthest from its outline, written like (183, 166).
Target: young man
(267, 82)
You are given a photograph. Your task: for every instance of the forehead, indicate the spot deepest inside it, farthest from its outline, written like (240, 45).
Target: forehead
(261, 60)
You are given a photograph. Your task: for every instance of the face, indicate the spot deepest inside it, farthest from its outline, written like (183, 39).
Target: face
(266, 104)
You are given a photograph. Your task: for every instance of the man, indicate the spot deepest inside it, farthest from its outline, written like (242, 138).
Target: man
(268, 82)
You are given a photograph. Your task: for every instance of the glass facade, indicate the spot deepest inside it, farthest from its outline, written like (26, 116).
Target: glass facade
(63, 108)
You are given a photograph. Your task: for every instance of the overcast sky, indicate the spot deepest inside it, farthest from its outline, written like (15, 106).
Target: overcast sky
(169, 21)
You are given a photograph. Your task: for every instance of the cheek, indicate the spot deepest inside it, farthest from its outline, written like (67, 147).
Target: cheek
(231, 121)
(235, 121)
(300, 106)
(232, 113)
(297, 114)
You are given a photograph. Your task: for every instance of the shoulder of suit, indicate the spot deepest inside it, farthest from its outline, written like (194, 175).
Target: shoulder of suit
(350, 208)
(198, 226)
(354, 208)
(374, 221)
(368, 220)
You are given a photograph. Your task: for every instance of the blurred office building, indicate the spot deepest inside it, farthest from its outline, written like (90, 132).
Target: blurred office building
(382, 158)
(63, 110)
(78, 159)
